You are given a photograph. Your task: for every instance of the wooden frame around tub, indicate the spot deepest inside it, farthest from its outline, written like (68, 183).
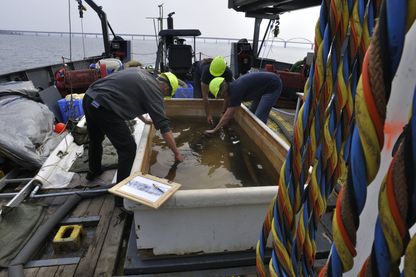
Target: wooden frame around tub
(145, 189)
(192, 107)
(274, 148)
(146, 149)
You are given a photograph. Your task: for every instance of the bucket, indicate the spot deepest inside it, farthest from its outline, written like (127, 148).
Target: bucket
(187, 92)
(67, 112)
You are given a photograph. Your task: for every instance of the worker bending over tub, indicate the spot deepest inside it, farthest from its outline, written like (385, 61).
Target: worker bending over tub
(122, 96)
(204, 72)
(262, 88)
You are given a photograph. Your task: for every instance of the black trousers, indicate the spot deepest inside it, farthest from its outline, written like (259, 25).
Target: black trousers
(197, 85)
(101, 122)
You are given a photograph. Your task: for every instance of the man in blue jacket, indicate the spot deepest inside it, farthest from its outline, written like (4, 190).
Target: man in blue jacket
(262, 88)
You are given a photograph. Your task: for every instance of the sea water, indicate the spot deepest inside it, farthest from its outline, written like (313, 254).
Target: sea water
(19, 52)
(225, 160)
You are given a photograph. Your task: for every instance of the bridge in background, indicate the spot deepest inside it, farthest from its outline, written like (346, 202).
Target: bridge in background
(299, 41)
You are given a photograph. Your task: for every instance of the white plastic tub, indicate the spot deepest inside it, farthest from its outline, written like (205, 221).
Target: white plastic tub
(206, 220)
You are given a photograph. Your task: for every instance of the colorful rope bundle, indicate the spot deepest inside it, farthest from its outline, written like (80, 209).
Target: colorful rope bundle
(280, 217)
(318, 139)
(373, 92)
(397, 209)
(329, 164)
(322, 139)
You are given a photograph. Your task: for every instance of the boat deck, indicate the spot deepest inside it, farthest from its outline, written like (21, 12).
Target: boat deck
(102, 237)
(102, 256)
(107, 246)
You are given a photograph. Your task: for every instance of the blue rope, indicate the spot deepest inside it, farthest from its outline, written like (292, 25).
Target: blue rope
(396, 30)
(359, 172)
(335, 263)
(381, 251)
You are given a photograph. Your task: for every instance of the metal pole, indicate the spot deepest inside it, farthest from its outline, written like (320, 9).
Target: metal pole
(17, 180)
(104, 25)
(3, 181)
(257, 24)
(18, 198)
(55, 194)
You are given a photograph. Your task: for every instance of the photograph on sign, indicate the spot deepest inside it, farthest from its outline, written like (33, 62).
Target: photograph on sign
(145, 189)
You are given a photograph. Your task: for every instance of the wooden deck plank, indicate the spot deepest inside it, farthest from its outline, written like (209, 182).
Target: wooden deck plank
(88, 263)
(81, 208)
(47, 271)
(95, 206)
(110, 251)
(66, 270)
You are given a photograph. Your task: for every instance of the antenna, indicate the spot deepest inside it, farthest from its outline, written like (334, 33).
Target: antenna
(160, 16)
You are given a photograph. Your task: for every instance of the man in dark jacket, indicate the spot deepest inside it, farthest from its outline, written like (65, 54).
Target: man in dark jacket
(204, 71)
(262, 88)
(122, 96)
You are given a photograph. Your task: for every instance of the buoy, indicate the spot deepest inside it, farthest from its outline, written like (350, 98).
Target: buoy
(59, 128)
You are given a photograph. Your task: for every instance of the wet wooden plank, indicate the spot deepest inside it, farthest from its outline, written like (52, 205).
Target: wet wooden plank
(88, 263)
(81, 208)
(66, 270)
(192, 107)
(31, 272)
(47, 271)
(273, 147)
(110, 251)
(95, 206)
(145, 148)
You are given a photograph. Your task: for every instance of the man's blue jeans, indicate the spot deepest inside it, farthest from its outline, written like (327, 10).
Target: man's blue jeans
(261, 107)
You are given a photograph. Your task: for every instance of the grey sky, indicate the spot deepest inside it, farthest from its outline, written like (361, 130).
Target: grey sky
(212, 17)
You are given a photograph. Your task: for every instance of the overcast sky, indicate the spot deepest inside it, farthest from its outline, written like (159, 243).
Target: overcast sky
(212, 17)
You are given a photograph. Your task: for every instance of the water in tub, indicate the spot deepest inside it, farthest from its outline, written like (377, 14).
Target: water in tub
(228, 159)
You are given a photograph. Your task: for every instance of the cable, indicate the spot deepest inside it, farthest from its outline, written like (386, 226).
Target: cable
(82, 33)
(81, 10)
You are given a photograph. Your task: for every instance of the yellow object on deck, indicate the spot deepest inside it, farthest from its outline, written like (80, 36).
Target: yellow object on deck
(68, 238)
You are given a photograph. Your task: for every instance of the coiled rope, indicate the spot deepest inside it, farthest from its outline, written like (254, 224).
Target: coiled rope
(321, 131)
(286, 252)
(373, 92)
(329, 164)
(396, 210)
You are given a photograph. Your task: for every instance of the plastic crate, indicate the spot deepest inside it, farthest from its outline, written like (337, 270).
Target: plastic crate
(185, 92)
(75, 113)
